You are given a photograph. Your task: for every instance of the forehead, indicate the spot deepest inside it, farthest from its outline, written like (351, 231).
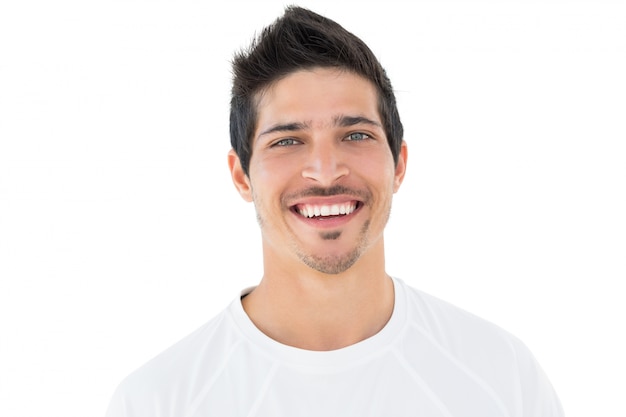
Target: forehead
(316, 97)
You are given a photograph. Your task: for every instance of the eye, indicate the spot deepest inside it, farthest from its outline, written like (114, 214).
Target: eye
(286, 142)
(357, 136)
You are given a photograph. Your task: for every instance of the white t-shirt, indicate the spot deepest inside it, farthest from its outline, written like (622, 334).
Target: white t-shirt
(431, 359)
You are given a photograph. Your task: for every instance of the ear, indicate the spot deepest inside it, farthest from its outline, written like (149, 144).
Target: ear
(400, 167)
(240, 179)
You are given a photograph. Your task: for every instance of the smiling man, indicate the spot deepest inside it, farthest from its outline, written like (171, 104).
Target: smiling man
(321, 175)
(318, 148)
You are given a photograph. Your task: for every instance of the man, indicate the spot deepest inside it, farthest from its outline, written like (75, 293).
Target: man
(317, 146)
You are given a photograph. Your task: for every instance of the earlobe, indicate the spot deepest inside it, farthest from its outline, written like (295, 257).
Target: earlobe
(400, 167)
(240, 179)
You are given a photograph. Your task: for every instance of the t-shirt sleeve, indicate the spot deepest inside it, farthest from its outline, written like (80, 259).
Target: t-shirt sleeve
(117, 406)
(538, 397)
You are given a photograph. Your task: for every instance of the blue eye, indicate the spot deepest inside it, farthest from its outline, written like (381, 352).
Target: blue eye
(286, 142)
(357, 136)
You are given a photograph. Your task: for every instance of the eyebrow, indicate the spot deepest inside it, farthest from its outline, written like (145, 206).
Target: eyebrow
(347, 121)
(340, 121)
(286, 127)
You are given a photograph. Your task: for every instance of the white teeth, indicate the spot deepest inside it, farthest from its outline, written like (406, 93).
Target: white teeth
(323, 211)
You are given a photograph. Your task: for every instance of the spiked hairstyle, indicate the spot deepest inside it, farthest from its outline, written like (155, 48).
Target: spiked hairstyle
(300, 40)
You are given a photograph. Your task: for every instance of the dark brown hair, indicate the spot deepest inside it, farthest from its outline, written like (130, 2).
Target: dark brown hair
(302, 39)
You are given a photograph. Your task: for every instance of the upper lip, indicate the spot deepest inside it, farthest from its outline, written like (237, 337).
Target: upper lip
(335, 199)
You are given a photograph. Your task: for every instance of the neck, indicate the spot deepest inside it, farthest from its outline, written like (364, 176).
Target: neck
(315, 311)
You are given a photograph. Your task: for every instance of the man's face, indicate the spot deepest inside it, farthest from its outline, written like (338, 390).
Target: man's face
(321, 174)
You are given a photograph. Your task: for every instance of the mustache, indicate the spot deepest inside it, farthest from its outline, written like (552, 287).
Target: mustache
(328, 192)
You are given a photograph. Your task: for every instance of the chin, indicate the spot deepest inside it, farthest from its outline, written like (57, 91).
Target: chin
(331, 263)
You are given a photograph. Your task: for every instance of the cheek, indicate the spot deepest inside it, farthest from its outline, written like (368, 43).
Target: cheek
(379, 172)
(269, 181)
(271, 169)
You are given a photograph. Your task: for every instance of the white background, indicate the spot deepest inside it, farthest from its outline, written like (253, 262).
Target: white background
(120, 231)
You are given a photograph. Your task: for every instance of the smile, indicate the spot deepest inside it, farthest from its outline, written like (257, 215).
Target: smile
(326, 210)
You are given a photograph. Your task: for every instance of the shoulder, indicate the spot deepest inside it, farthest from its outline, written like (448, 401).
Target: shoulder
(162, 382)
(452, 327)
(478, 349)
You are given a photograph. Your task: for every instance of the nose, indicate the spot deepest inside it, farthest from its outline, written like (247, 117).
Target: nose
(325, 164)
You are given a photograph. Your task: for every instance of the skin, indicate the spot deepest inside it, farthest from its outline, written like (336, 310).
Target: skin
(319, 142)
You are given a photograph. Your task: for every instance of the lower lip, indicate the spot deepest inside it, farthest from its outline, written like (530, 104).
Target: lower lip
(329, 222)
